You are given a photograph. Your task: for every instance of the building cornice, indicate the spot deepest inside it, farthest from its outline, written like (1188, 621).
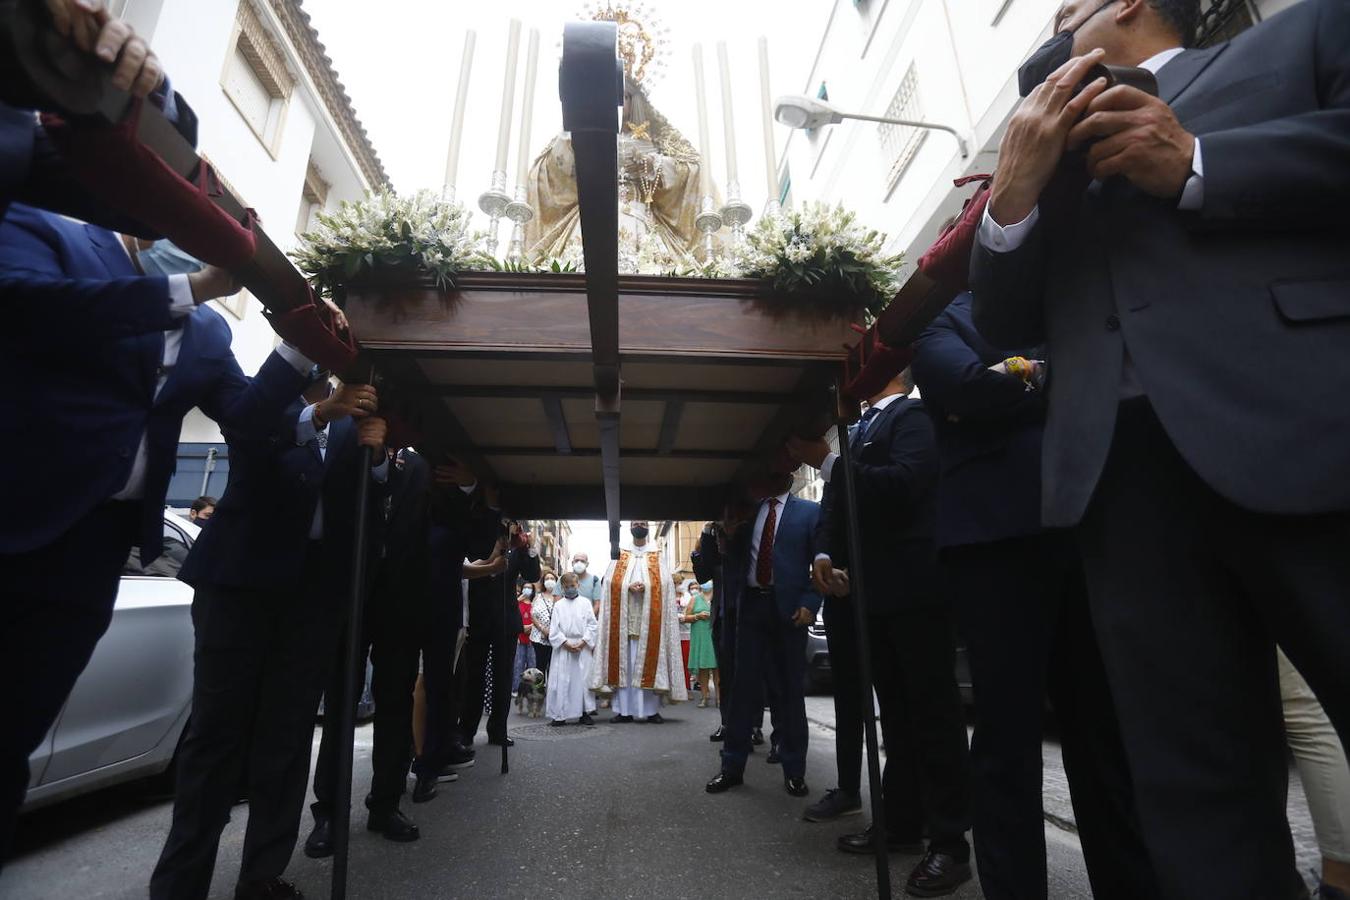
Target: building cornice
(334, 96)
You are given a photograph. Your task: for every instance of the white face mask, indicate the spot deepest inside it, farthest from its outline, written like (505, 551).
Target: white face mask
(550, 585)
(528, 592)
(579, 567)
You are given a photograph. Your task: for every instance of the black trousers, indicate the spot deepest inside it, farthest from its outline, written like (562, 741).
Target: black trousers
(475, 660)
(443, 689)
(926, 781)
(392, 641)
(1023, 611)
(543, 657)
(261, 660)
(724, 640)
(1190, 594)
(58, 602)
(769, 650)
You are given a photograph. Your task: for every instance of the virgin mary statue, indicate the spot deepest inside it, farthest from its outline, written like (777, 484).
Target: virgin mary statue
(659, 175)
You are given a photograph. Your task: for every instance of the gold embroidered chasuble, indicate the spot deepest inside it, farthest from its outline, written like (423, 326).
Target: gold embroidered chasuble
(659, 666)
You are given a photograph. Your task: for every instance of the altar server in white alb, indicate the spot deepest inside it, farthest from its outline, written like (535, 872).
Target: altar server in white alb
(637, 659)
(573, 632)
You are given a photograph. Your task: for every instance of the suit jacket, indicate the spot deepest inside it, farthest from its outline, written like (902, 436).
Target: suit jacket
(896, 471)
(1236, 316)
(84, 334)
(259, 534)
(988, 432)
(793, 553)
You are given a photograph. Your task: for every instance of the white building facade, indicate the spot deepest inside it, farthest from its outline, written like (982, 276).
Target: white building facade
(277, 125)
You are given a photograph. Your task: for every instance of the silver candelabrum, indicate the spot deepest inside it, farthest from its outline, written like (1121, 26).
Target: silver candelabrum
(772, 209)
(519, 211)
(736, 212)
(493, 202)
(708, 222)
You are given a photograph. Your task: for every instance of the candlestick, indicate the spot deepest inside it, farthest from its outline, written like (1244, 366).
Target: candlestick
(704, 148)
(771, 205)
(457, 119)
(527, 107)
(508, 93)
(728, 117)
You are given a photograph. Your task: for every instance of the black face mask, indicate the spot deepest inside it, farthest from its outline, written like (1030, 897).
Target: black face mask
(1051, 55)
(639, 532)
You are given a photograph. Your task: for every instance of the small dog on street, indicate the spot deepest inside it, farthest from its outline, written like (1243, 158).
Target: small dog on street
(533, 693)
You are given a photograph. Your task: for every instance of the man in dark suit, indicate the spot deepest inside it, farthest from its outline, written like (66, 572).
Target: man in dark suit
(271, 573)
(1019, 596)
(114, 362)
(1186, 268)
(909, 625)
(766, 579)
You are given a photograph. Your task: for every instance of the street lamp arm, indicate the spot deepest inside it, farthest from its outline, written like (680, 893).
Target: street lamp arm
(960, 141)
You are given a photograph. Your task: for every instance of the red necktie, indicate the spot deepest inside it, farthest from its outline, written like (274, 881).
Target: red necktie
(764, 565)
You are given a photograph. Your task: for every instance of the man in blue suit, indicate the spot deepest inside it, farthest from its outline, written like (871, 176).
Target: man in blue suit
(112, 363)
(1019, 594)
(766, 577)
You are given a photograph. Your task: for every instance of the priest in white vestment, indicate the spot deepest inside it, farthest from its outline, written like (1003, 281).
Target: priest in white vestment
(573, 632)
(637, 659)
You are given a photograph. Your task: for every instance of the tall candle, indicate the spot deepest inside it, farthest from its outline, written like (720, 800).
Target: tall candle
(527, 107)
(701, 95)
(457, 122)
(766, 113)
(508, 94)
(728, 118)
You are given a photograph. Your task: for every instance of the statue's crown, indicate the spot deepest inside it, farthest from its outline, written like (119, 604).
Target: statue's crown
(642, 38)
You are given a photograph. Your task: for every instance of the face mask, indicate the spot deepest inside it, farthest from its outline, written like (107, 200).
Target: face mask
(163, 258)
(579, 568)
(528, 592)
(639, 532)
(1051, 55)
(550, 584)
(571, 593)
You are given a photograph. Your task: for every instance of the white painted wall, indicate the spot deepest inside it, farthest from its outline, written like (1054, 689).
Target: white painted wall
(192, 37)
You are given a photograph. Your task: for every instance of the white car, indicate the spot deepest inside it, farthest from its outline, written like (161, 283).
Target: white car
(127, 712)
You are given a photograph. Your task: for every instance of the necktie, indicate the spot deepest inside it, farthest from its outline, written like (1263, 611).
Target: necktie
(321, 435)
(860, 430)
(764, 565)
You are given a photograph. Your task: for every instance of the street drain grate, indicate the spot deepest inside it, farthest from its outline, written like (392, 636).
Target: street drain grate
(546, 732)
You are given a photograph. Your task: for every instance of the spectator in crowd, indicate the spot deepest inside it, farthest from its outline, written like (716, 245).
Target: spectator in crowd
(1155, 244)
(587, 583)
(682, 601)
(525, 658)
(541, 616)
(201, 509)
(573, 632)
(909, 624)
(270, 574)
(1322, 768)
(392, 625)
(549, 584)
(701, 658)
(1021, 602)
(766, 574)
(120, 359)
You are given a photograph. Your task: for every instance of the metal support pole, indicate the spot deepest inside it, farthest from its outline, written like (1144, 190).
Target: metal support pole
(352, 668)
(858, 599)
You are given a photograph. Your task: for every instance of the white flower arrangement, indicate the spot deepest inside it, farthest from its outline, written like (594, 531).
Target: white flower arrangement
(420, 232)
(820, 255)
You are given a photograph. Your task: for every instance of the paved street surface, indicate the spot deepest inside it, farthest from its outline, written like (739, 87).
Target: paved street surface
(612, 811)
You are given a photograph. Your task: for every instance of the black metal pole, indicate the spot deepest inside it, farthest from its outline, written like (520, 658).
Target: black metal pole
(351, 665)
(858, 599)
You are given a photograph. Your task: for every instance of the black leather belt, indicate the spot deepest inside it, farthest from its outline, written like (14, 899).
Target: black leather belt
(759, 591)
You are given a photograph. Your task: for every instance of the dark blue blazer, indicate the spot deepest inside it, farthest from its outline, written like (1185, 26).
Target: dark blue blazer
(793, 552)
(896, 469)
(988, 432)
(258, 536)
(84, 339)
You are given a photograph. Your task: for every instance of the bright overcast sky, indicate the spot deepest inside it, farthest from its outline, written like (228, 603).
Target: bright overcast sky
(400, 60)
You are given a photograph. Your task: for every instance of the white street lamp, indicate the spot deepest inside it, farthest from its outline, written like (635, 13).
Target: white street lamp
(798, 111)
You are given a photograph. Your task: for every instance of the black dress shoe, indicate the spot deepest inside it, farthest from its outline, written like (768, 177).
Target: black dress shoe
(424, 789)
(772, 758)
(558, 723)
(585, 719)
(862, 843)
(796, 786)
(502, 741)
(621, 720)
(272, 889)
(319, 844)
(655, 719)
(719, 735)
(723, 782)
(394, 825)
(937, 875)
(460, 757)
(757, 737)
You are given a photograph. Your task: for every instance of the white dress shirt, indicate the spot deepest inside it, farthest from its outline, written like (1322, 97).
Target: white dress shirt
(306, 432)
(827, 467)
(755, 535)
